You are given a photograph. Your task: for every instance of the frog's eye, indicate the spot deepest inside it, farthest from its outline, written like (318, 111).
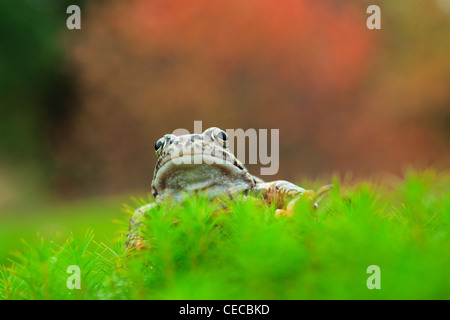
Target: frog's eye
(221, 137)
(159, 145)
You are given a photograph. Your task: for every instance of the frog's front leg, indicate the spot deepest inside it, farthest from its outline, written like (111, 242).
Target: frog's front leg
(135, 232)
(286, 194)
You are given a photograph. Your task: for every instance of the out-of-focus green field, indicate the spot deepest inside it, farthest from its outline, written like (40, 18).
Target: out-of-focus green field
(199, 251)
(75, 217)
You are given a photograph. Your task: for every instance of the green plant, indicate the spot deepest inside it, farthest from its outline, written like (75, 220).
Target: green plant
(202, 250)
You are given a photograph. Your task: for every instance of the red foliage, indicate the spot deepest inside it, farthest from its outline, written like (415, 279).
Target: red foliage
(149, 67)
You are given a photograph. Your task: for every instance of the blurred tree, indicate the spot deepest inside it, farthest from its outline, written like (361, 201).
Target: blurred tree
(35, 83)
(233, 64)
(344, 97)
(404, 114)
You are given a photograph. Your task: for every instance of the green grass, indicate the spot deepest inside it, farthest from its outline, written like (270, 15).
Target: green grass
(73, 217)
(200, 251)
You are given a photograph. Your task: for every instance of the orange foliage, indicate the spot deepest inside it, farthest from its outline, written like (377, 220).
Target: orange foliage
(305, 67)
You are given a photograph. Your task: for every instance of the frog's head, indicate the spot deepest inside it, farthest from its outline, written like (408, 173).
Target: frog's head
(197, 162)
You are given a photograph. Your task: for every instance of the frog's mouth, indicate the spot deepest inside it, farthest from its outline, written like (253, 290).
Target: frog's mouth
(200, 172)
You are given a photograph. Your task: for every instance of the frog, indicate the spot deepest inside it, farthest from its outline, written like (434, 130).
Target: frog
(203, 162)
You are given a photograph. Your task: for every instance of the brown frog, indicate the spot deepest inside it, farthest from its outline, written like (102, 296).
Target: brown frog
(195, 162)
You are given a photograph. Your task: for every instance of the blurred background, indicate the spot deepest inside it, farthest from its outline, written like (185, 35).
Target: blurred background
(80, 110)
